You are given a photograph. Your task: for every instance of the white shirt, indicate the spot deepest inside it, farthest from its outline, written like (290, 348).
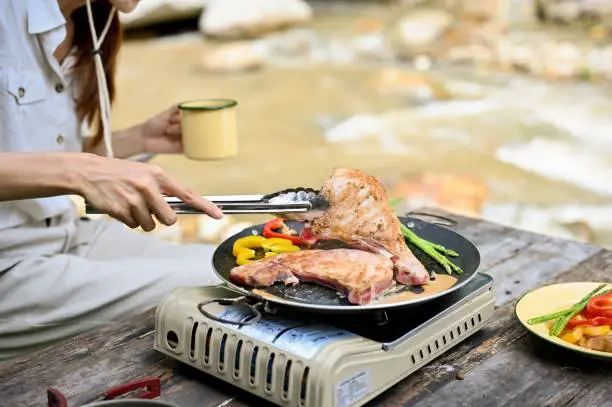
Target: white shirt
(37, 97)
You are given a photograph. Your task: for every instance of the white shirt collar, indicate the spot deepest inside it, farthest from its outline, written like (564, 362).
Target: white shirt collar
(43, 16)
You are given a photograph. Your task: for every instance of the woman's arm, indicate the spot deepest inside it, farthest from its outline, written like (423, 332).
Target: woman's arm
(160, 134)
(38, 175)
(131, 192)
(126, 143)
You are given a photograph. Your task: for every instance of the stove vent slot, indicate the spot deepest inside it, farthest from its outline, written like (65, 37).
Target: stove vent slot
(437, 345)
(192, 343)
(172, 339)
(237, 359)
(269, 371)
(444, 339)
(253, 369)
(286, 380)
(304, 387)
(222, 353)
(207, 347)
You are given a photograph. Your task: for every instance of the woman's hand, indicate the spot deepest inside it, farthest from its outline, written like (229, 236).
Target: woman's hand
(161, 134)
(132, 192)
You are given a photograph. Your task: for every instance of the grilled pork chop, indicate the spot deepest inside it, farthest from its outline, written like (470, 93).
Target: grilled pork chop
(359, 275)
(360, 215)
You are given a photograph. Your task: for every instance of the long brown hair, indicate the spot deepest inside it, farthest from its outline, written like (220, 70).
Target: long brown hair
(88, 104)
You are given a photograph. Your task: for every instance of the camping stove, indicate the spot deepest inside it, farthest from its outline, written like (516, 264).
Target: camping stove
(300, 359)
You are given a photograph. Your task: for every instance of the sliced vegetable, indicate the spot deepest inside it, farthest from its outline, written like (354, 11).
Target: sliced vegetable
(244, 252)
(248, 242)
(596, 330)
(580, 320)
(600, 306)
(279, 223)
(572, 336)
(578, 308)
(245, 256)
(435, 251)
(566, 315)
(278, 245)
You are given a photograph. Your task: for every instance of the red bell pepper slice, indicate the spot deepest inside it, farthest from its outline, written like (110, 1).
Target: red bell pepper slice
(279, 223)
(599, 306)
(597, 321)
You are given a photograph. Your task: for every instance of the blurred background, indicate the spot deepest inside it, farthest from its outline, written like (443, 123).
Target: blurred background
(499, 109)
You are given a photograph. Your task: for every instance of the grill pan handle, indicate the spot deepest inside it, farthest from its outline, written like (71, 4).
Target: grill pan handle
(232, 301)
(442, 221)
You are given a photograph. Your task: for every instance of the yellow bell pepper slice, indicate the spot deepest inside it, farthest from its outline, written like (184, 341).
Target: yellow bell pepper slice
(245, 256)
(572, 336)
(247, 242)
(244, 253)
(279, 245)
(596, 330)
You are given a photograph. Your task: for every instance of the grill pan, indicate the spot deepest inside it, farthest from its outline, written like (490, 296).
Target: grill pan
(318, 298)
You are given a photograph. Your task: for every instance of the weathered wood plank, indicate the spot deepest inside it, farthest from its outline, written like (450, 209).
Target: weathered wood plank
(87, 365)
(528, 371)
(501, 332)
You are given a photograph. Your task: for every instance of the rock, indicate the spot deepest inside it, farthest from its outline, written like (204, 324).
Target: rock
(372, 47)
(506, 12)
(421, 28)
(234, 57)
(291, 44)
(567, 11)
(252, 18)
(158, 11)
(564, 11)
(563, 61)
(599, 9)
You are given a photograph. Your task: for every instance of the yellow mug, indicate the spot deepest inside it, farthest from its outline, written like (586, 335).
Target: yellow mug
(209, 128)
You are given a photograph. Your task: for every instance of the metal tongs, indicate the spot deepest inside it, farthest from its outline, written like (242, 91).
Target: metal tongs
(285, 201)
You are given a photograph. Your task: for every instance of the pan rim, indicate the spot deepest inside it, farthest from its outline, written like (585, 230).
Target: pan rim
(352, 308)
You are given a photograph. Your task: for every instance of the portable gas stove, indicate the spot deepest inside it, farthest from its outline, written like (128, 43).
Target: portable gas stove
(293, 358)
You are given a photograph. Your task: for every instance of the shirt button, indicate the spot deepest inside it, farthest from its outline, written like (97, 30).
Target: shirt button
(21, 92)
(60, 139)
(59, 88)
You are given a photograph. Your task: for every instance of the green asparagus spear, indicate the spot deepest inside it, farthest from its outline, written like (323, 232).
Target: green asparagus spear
(567, 311)
(435, 251)
(548, 317)
(562, 322)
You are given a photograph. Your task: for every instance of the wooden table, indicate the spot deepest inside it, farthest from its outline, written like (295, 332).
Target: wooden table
(501, 365)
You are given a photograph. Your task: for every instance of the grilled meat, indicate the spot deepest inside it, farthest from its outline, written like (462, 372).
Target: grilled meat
(359, 275)
(360, 215)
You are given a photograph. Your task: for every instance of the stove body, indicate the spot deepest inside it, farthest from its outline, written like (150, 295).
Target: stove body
(302, 359)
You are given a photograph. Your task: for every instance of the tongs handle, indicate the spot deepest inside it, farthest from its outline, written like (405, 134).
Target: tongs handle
(231, 204)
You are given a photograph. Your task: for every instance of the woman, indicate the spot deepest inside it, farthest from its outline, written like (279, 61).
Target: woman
(61, 275)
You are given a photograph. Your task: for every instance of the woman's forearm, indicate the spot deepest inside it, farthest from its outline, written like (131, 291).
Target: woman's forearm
(39, 175)
(126, 143)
